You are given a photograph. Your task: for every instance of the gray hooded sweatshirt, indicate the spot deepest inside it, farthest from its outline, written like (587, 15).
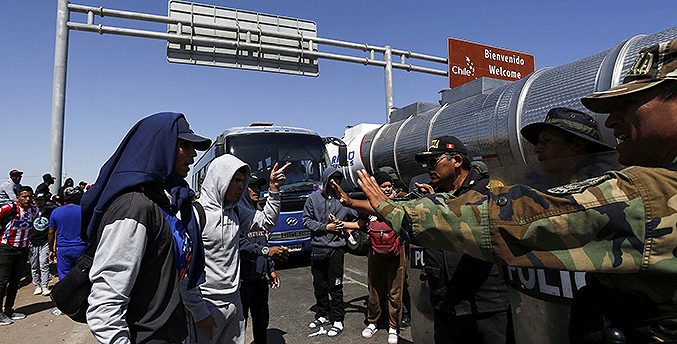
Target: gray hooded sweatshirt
(222, 232)
(316, 212)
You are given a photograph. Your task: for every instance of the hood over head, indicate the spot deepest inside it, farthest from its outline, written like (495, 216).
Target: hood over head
(146, 156)
(219, 174)
(326, 175)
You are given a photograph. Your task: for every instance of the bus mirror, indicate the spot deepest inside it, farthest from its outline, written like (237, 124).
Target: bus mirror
(342, 149)
(343, 155)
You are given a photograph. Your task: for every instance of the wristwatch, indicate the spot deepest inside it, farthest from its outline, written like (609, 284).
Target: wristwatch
(265, 250)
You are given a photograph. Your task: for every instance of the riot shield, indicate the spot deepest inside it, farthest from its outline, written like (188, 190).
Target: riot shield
(541, 298)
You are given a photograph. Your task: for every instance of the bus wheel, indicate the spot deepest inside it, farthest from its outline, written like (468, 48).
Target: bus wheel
(361, 246)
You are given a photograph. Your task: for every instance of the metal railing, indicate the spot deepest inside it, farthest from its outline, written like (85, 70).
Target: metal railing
(64, 25)
(184, 38)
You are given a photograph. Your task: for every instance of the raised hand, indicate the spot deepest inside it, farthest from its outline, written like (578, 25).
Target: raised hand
(277, 177)
(343, 197)
(371, 189)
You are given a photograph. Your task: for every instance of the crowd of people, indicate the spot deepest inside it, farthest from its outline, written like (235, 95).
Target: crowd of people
(39, 227)
(168, 268)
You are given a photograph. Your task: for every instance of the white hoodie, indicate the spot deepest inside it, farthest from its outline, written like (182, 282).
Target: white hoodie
(221, 234)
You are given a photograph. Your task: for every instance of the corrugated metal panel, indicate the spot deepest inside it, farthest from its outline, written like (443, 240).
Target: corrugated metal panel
(413, 139)
(366, 149)
(383, 148)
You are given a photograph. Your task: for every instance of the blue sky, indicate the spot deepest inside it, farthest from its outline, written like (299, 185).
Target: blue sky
(114, 81)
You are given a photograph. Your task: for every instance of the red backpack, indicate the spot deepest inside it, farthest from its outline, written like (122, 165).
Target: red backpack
(383, 238)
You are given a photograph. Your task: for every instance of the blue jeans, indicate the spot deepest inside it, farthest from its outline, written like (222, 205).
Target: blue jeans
(40, 264)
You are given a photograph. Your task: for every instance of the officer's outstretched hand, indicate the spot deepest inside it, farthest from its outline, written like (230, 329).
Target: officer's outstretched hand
(277, 177)
(371, 189)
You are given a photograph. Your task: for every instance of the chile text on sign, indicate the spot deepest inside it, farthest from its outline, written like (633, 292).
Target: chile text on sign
(469, 61)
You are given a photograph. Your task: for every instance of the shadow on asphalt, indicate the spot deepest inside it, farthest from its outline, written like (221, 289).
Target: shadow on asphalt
(357, 305)
(276, 336)
(36, 307)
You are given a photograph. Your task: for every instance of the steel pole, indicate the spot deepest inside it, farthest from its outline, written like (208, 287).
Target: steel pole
(59, 93)
(390, 102)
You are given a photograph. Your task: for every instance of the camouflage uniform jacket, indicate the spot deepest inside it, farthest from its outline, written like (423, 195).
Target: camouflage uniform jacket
(620, 225)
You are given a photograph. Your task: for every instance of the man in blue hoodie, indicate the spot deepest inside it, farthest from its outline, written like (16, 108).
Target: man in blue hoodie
(257, 267)
(323, 215)
(143, 249)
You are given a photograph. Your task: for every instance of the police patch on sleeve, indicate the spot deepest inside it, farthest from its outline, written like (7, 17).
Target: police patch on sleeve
(578, 186)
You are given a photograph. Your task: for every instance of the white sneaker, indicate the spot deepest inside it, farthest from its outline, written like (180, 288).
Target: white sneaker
(4, 319)
(46, 291)
(17, 316)
(38, 290)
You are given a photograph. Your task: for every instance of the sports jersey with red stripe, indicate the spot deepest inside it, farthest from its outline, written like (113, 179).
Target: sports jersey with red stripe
(17, 231)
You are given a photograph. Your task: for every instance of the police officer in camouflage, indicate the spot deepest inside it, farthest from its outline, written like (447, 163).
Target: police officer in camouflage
(469, 296)
(621, 226)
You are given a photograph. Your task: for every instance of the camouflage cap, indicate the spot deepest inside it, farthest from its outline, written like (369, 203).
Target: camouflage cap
(653, 65)
(575, 122)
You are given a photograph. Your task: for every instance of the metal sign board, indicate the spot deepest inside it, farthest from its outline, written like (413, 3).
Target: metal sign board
(244, 31)
(469, 61)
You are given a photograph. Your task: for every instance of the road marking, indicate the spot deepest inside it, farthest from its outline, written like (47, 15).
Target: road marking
(357, 272)
(348, 279)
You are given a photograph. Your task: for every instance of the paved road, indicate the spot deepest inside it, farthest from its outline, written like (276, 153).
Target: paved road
(292, 308)
(292, 305)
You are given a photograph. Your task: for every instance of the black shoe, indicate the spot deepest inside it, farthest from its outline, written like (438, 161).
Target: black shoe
(406, 321)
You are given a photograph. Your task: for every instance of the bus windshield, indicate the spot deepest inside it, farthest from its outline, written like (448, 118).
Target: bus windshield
(306, 153)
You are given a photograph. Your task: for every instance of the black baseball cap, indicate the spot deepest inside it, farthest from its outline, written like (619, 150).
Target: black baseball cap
(441, 145)
(571, 121)
(186, 133)
(15, 172)
(254, 179)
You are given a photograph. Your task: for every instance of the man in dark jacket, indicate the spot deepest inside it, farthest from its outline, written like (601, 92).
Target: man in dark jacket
(323, 215)
(255, 266)
(143, 249)
(43, 188)
(470, 296)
